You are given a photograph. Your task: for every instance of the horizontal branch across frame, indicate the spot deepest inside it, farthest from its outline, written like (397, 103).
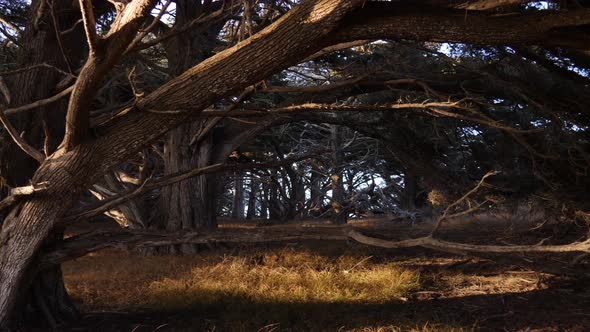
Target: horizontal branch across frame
(80, 245)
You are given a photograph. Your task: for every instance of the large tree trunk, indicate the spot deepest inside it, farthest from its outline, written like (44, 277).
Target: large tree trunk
(47, 299)
(190, 204)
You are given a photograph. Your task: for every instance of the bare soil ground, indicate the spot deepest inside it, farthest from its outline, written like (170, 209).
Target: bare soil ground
(338, 286)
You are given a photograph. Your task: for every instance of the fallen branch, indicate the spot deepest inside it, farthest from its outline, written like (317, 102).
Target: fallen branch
(80, 245)
(83, 244)
(436, 244)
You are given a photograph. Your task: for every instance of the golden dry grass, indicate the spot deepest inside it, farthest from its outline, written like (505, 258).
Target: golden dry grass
(284, 289)
(321, 286)
(285, 276)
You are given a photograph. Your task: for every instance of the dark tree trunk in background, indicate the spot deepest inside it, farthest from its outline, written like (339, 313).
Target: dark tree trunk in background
(274, 205)
(408, 201)
(316, 196)
(300, 196)
(296, 194)
(254, 185)
(339, 213)
(189, 204)
(238, 198)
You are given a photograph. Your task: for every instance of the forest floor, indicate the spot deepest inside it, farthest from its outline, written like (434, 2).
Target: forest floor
(336, 286)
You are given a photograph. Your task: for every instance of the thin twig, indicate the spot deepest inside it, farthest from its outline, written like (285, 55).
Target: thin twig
(89, 23)
(446, 215)
(39, 103)
(31, 151)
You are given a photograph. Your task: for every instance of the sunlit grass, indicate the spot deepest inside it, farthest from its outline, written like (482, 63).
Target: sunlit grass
(283, 289)
(285, 277)
(277, 276)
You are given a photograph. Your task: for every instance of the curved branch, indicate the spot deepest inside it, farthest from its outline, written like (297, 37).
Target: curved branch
(39, 103)
(31, 151)
(436, 244)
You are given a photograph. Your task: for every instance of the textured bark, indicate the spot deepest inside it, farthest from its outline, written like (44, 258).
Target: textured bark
(401, 21)
(40, 46)
(47, 299)
(190, 204)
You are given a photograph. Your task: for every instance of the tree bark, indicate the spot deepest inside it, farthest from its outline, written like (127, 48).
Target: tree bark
(47, 299)
(190, 204)
(398, 21)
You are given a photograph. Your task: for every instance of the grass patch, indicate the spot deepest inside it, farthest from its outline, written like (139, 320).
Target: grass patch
(285, 277)
(272, 290)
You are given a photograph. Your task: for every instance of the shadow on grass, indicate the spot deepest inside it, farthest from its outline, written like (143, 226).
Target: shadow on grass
(546, 310)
